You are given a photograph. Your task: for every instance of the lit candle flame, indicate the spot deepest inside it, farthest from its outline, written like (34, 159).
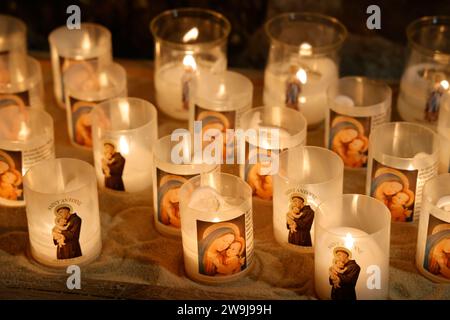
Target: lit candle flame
(305, 49)
(23, 131)
(86, 42)
(349, 241)
(191, 35)
(124, 109)
(445, 84)
(103, 79)
(124, 148)
(221, 90)
(302, 76)
(189, 62)
(216, 219)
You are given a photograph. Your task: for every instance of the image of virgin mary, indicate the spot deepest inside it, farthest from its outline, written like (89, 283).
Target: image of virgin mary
(168, 200)
(437, 251)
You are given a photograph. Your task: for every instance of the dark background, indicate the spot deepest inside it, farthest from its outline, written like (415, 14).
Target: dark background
(375, 53)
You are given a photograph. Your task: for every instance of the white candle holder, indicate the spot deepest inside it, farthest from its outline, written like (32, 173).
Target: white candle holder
(291, 127)
(85, 88)
(218, 101)
(216, 227)
(188, 42)
(303, 62)
(62, 212)
(433, 241)
(443, 130)
(168, 177)
(28, 90)
(426, 77)
(26, 138)
(124, 131)
(307, 177)
(89, 45)
(356, 105)
(13, 49)
(402, 157)
(351, 251)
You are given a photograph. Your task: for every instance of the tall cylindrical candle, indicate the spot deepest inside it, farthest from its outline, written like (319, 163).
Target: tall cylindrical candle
(26, 137)
(89, 45)
(356, 105)
(402, 157)
(351, 250)
(62, 212)
(124, 132)
(307, 177)
(188, 43)
(84, 89)
(168, 177)
(216, 227)
(433, 240)
(272, 130)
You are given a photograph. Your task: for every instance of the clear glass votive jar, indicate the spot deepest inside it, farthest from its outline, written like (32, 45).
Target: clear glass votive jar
(356, 105)
(188, 43)
(90, 45)
(26, 138)
(216, 227)
(13, 48)
(219, 100)
(433, 240)
(427, 73)
(171, 171)
(402, 157)
(303, 61)
(351, 250)
(28, 88)
(268, 131)
(443, 130)
(62, 212)
(124, 132)
(85, 88)
(307, 177)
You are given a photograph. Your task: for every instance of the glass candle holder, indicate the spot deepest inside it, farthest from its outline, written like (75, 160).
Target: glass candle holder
(85, 89)
(62, 212)
(356, 105)
(270, 131)
(28, 90)
(303, 62)
(433, 241)
(13, 48)
(89, 45)
(427, 73)
(26, 138)
(219, 100)
(216, 220)
(188, 43)
(443, 130)
(307, 177)
(124, 131)
(169, 176)
(402, 157)
(351, 251)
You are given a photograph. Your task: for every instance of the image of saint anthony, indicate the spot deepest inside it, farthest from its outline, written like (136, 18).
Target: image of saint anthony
(66, 233)
(299, 220)
(221, 250)
(437, 251)
(343, 275)
(113, 164)
(349, 140)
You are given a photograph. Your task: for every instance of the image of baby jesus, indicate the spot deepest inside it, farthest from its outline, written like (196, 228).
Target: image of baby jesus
(355, 153)
(230, 261)
(9, 185)
(60, 225)
(293, 214)
(397, 207)
(105, 166)
(336, 269)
